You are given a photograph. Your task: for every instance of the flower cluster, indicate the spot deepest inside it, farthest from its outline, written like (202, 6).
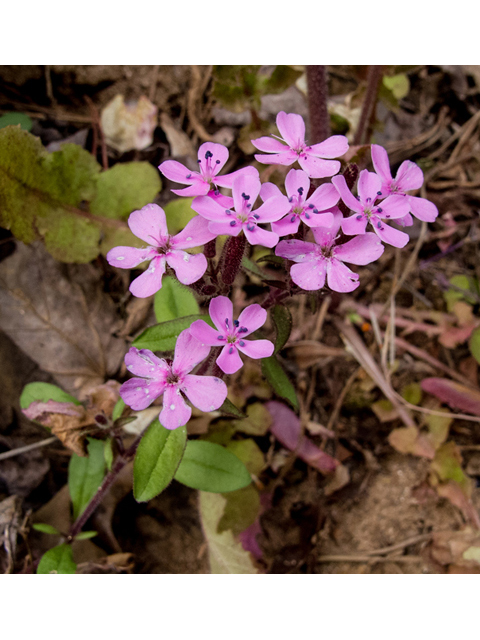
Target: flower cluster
(281, 221)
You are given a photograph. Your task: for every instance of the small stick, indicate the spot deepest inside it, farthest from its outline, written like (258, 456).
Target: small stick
(29, 447)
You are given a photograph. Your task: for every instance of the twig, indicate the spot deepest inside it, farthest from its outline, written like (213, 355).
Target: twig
(29, 447)
(317, 90)
(338, 405)
(371, 559)
(374, 78)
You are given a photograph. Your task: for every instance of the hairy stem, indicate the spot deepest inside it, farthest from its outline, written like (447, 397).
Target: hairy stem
(374, 77)
(317, 89)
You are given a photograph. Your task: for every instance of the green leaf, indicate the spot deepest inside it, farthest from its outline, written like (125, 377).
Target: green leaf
(174, 301)
(178, 213)
(210, 467)
(85, 475)
(86, 535)
(283, 77)
(474, 344)
(57, 560)
(229, 408)
(108, 453)
(241, 510)
(252, 267)
(43, 392)
(162, 337)
(18, 119)
(125, 187)
(249, 453)
(257, 421)
(412, 393)
(399, 85)
(158, 456)
(282, 319)
(226, 555)
(118, 409)
(462, 286)
(279, 381)
(46, 528)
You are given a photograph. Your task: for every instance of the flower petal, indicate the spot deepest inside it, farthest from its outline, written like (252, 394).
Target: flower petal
(206, 334)
(177, 172)
(188, 353)
(318, 168)
(199, 188)
(325, 197)
(318, 219)
(208, 208)
(354, 225)
(292, 129)
(325, 236)
(129, 257)
(296, 250)
(380, 163)
(207, 393)
(369, 184)
(273, 209)
(194, 234)
(144, 363)
(188, 267)
(225, 228)
(248, 185)
(409, 176)
(287, 226)
(229, 361)
(218, 151)
(256, 348)
(139, 393)
(252, 317)
(269, 190)
(340, 278)
(285, 158)
(268, 144)
(150, 281)
(227, 180)
(309, 276)
(332, 147)
(149, 224)
(260, 236)
(360, 250)
(221, 312)
(346, 195)
(296, 180)
(175, 412)
(391, 236)
(394, 207)
(422, 209)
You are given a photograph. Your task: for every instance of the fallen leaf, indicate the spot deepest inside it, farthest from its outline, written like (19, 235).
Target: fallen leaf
(286, 428)
(459, 548)
(60, 316)
(129, 125)
(410, 440)
(226, 555)
(341, 477)
(457, 395)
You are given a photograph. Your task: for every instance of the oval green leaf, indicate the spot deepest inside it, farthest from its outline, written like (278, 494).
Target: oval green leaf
(85, 475)
(210, 467)
(158, 456)
(57, 560)
(43, 392)
(282, 319)
(174, 301)
(45, 528)
(279, 381)
(474, 344)
(162, 337)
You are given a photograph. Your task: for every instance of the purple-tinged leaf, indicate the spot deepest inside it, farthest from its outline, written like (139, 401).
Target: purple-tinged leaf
(286, 428)
(458, 396)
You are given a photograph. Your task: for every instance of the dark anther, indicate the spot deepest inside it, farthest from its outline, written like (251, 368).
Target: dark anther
(230, 350)
(256, 216)
(208, 155)
(220, 338)
(307, 215)
(233, 223)
(379, 225)
(300, 190)
(189, 176)
(236, 323)
(242, 343)
(359, 217)
(379, 209)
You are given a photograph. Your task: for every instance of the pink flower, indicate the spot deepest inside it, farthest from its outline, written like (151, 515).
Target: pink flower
(324, 260)
(312, 211)
(232, 333)
(409, 176)
(211, 159)
(366, 211)
(149, 224)
(227, 222)
(310, 157)
(158, 377)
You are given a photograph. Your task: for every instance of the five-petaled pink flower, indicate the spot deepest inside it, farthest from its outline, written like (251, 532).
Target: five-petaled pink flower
(211, 159)
(366, 211)
(409, 176)
(312, 211)
(310, 157)
(324, 260)
(157, 377)
(232, 333)
(150, 225)
(230, 222)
